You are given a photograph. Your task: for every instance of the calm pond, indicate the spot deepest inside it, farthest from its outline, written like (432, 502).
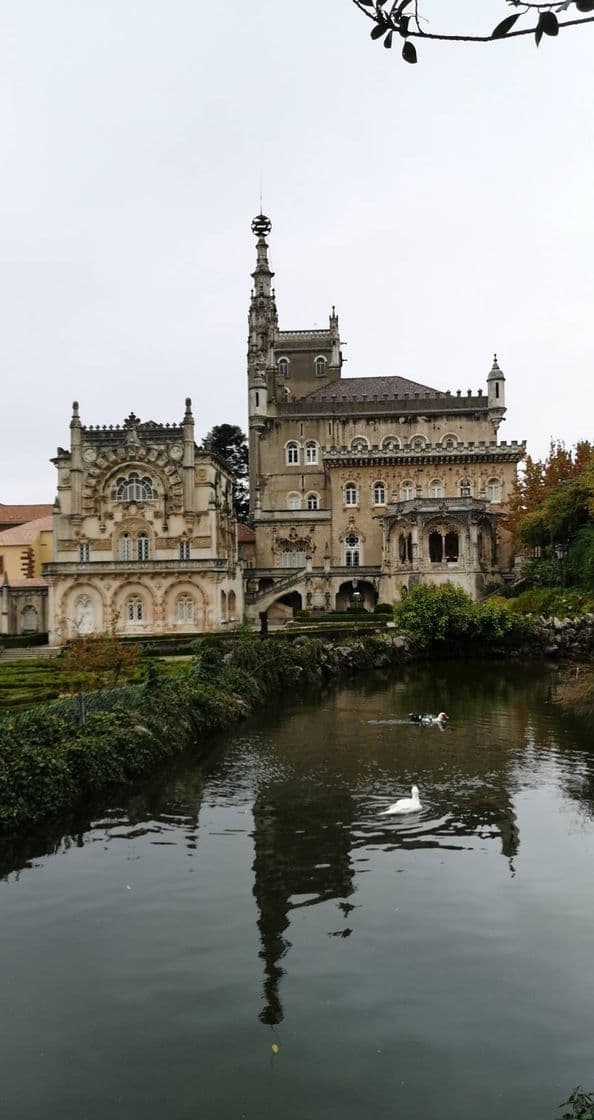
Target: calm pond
(250, 938)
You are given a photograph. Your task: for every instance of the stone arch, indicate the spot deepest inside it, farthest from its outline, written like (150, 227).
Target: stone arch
(184, 589)
(29, 619)
(285, 607)
(133, 527)
(133, 592)
(357, 594)
(83, 610)
(232, 605)
(99, 481)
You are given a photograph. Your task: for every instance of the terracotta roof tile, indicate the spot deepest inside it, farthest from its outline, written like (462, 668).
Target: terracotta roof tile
(16, 515)
(27, 533)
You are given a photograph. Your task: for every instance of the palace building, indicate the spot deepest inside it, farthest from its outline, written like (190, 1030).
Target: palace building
(363, 487)
(144, 537)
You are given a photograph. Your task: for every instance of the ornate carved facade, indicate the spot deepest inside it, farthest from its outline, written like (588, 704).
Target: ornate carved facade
(363, 487)
(144, 534)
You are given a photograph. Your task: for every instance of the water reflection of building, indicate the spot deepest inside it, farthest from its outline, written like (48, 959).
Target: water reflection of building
(302, 856)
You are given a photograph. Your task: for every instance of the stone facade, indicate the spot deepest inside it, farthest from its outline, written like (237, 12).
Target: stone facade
(144, 534)
(363, 487)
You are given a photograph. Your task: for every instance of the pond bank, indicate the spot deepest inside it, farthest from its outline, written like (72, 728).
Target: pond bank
(55, 755)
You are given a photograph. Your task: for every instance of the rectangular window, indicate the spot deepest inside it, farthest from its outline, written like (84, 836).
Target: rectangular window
(84, 553)
(184, 550)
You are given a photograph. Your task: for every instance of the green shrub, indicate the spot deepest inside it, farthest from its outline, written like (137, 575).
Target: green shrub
(384, 608)
(432, 616)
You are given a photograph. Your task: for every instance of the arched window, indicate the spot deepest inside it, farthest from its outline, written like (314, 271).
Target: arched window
(465, 488)
(293, 454)
(293, 558)
(320, 367)
(352, 551)
(391, 444)
(134, 489)
(232, 606)
(311, 451)
(125, 547)
(360, 444)
(407, 492)
(184, 609)
(449, 443)
(313, 501)
(142, 547)
(29, 619)
(452, 547)
(184, 550)
(435, 488)
(223, 606)
(418, 443)
(135, 609)
(494, 490)
(435, 547)
(405, 553)
(351, 494)
(283, 367)
(379, 494)
(294, 501)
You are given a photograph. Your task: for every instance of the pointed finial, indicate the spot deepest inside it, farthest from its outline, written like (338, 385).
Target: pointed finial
(75, 410)
(496, 373)
(188, 415)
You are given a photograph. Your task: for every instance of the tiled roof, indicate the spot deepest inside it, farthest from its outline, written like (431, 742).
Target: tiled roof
(245, 535)
(16, 515)
(366, 388)
(27, 533)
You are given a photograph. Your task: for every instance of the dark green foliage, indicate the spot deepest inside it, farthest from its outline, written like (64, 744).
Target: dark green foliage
(22, 641)
(384, 608)
(434, 616)
(408, 20)
(229, 443)
(580, 558)
(578, 1106)
(50, 756)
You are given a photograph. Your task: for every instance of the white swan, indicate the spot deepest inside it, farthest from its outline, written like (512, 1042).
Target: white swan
(405, 805)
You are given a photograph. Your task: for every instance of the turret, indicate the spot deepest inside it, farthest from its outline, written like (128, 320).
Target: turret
(496, 394)
(76, 464)
(263, 323)
(188, 457)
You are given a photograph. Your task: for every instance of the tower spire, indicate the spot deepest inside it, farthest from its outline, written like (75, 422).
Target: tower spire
(261, 227)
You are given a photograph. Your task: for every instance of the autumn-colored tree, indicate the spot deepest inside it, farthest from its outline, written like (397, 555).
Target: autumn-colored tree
(99, 660)
(539, 477)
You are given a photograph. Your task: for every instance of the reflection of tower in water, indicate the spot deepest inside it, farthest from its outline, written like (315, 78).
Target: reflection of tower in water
(301, 858)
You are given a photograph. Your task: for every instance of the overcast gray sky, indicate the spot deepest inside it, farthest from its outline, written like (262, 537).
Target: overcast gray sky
(446, 209)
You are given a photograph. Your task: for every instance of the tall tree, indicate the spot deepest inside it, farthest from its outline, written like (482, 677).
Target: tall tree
(405, 20)
(229, 443)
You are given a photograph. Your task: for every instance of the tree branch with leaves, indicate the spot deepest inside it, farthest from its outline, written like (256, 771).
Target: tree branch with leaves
(404, 19)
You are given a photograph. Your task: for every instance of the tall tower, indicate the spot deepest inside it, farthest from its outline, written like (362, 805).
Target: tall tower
(263, 324)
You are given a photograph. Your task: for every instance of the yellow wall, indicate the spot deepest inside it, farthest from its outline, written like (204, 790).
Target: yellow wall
(15, 557)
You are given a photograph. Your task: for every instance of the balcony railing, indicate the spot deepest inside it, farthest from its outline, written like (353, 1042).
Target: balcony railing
(120, 567)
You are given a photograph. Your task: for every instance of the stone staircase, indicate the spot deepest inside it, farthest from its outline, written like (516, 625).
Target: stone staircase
(279, 587)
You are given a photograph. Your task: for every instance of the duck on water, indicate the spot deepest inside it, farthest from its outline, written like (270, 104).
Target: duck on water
(426, 717)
